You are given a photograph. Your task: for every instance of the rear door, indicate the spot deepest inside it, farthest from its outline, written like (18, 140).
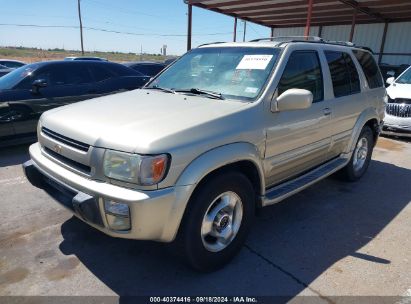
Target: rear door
(111, 79)
(347, 103)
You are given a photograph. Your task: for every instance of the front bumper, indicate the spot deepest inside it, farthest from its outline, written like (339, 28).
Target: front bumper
(154, 215)
(397, 126)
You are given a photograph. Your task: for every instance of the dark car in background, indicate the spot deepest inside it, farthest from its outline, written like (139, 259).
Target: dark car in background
(86, 58)
(27, 92)
(147, 68)
(11, 64)
(4, 70)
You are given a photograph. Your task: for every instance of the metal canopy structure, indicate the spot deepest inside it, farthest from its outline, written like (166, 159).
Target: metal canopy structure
(277, 14)
(293, 13)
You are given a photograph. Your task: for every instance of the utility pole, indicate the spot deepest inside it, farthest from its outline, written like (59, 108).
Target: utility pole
(189, 25)
(245, 30)
(81, 27)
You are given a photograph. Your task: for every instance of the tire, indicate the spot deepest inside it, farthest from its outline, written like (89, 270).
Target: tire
(201, 250)
(360, 158)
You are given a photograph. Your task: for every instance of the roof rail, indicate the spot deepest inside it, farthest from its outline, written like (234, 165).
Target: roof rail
(346, 43)
(290, 39)
(309, 39)
(208, 43)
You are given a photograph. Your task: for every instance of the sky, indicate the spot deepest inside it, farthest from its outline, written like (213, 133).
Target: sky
(150, 24)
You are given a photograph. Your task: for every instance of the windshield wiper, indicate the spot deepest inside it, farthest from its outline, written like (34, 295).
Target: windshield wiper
(202, 92)
(160, 89)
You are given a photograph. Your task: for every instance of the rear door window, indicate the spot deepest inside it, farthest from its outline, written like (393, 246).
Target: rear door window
(303, 71)
(65, 75)
(370, 68)
(354, 77)
(100, 73)
(344, 75)
(149, 69)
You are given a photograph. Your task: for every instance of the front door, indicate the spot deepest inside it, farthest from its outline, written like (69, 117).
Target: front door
(65, 85)
(298, 140)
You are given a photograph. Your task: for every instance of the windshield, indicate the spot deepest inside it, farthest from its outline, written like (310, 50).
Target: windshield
(405, 78)
(12, 79)
(233, 72)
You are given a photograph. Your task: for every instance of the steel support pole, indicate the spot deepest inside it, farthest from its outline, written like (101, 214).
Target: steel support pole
(384, 35)
(354, 19)
(272, 32)
(235, 29)
(320, 31)
(245, 30)
(189, 26)
(309, 14)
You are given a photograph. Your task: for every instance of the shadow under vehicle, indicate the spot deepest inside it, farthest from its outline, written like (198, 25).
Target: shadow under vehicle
(291, 245)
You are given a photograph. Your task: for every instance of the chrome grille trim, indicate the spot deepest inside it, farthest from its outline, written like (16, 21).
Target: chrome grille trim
(398, 110)
(68, 162)
(65, 140)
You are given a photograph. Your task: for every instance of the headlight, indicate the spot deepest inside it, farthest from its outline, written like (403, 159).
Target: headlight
(133, 168)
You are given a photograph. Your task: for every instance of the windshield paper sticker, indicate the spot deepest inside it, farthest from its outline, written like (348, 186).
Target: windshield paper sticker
(254, 62)
(251, 90)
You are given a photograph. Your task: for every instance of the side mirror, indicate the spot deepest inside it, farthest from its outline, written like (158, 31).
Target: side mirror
(37, 84)
(390, 80)
(292, 99)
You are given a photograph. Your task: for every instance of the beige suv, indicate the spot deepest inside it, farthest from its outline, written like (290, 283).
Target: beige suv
(225, 130)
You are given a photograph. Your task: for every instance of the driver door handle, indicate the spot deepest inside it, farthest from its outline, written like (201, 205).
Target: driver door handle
(327, 111)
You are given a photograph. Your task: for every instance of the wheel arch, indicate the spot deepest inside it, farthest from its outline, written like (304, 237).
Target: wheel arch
(242, 157)
(370, 118)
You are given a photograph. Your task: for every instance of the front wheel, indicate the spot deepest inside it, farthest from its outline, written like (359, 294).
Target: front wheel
(361, 156)
(217, 221)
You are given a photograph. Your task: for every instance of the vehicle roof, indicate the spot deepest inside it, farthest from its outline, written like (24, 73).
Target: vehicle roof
(143, 62)
(11, 60)
(283, 44)
(41, 64)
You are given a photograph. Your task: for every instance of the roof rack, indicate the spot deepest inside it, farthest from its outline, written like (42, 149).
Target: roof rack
(309, 39)
(290, 39)
(208, 43)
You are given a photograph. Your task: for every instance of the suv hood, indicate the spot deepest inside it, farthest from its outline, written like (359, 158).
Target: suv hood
(399, 90)
(141, 121)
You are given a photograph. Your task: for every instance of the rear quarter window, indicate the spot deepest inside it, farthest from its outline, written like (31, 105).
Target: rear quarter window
(370, 69)
(121, 70)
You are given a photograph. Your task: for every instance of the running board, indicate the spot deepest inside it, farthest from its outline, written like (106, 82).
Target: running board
(282, 191)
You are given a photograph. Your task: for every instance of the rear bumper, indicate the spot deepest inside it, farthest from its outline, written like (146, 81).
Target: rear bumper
(154, 215)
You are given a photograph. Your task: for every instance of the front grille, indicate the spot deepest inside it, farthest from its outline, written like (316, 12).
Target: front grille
(402, 101)
(399, 110)
(65, 140)
(69, 162)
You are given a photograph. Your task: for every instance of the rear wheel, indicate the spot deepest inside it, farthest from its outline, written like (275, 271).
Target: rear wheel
(361, 156)
(217, 221)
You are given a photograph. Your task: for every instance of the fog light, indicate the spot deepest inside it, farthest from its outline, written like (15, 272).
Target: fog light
(117, 215)
(118, 223)
(116, 208)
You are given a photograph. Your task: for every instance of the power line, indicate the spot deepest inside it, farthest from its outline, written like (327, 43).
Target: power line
(109, 31)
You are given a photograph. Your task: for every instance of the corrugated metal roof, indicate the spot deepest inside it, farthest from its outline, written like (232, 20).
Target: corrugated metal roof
(286, 13)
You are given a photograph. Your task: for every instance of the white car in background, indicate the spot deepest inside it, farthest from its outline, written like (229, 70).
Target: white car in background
(398, 112)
